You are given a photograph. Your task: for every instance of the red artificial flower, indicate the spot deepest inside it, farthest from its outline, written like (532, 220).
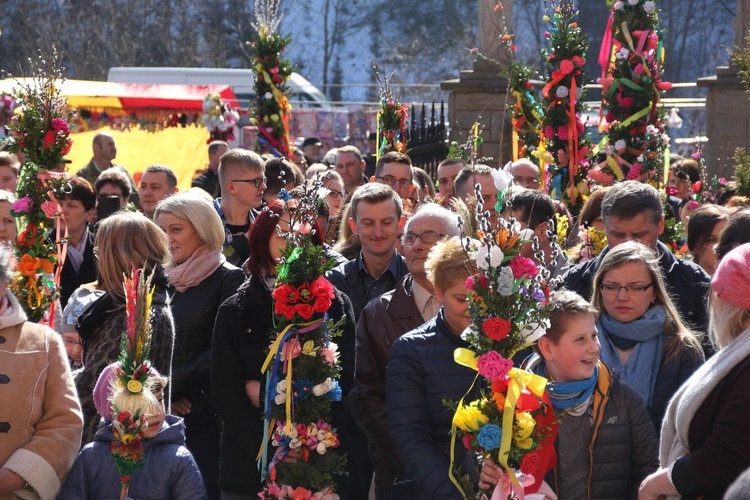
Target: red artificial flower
(468, 438)
(305, 294)
(49, 140)
(288, 312)
(321, 287)
(566, 66)
(697, 187)
(523, 266)
(500, 385)
(578, 61)
(304, 310)
(496, 328)
(528, 85)
(68, 145)
(59, 125)
(321, 304)
(530, 462)
(286, 294)
(28, 236)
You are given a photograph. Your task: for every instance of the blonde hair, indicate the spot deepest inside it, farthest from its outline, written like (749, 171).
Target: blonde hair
(678, 335)
(124, 240)
(196, 210)
(725, 321)
(447, 263)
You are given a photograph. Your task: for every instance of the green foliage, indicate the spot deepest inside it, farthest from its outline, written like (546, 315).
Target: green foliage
(742, 171)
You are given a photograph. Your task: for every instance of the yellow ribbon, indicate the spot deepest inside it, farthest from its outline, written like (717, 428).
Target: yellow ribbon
(519, 380)
(515, 145)
(615, 167)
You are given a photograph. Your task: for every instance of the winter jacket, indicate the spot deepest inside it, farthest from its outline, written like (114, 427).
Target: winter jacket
(194, 312)
(672, 374)
(40, 417)
(624, 447)
(382, 322)
(101, 327)
(687, 283)
(349, 279)
(421, 374)
(242, 333)
(169, 473)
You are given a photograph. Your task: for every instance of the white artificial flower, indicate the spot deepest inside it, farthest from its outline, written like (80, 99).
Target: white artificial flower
(323, 388)
(323, 192)
(468, 331)
(531, 332)
(633, 2)
(622, 53)
(562, 92)
(620, 145)
(640, 158)
(505, 281)
(526, 234)
(502, 179)
(609, 150)
(665, 139)
(486, 258)
(619, 5)
(268, 95)
(649, 7)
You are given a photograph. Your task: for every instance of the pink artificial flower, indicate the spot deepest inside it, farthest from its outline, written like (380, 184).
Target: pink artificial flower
(49, 208)
(60, 126)
(562, 133)
(493, 366)
(549, 131)
(566, 66)
(578, 61)
(635, 172)
(522, 266)
(23, 204)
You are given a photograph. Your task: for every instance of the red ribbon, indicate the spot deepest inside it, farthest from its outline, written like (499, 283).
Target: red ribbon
(606, 48)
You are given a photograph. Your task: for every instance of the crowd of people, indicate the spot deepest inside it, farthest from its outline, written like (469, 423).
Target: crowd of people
(647, 354)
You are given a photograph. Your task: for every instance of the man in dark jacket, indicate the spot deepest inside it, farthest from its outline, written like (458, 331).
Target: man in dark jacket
(633, 211)
(377, 219)
(209, 180)
(382, 322)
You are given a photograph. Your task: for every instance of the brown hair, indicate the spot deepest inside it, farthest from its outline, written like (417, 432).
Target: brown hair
(392, 157)
(375, 193)
(567, 304)
(678, 335)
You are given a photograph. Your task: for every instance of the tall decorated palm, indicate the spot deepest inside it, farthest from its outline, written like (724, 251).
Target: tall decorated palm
(41, 136)
(632, 60)
(272, 71)
(567, 147)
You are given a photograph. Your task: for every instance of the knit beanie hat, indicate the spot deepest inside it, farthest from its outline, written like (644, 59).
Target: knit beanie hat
(731, 281)
(105, 386)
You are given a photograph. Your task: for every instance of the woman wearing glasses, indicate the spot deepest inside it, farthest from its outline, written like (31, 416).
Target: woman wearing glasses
(640, 331)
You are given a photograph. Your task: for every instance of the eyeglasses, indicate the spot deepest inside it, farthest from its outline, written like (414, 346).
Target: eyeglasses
(72, 343)
(613, 289)
(526, 180)
(392, 181)
(335, 194)
(257, 182)
(427, 237)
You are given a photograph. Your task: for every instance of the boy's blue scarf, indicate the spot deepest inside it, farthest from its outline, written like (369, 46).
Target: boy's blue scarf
(565, 395)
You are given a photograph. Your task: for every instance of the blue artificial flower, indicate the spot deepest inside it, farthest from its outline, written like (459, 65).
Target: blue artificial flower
(284, 195)
(489, 437)
(335, 393)
(302, 388)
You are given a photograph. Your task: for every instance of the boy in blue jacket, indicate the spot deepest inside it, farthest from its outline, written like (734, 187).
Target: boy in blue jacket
(606, 443)
(169, 472)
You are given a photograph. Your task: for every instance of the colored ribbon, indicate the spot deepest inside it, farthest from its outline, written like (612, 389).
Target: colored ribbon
(519, 380)
(606, 48)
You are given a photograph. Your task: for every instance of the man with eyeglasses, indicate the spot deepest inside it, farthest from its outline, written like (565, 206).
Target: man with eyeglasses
(376, 218)
(242, 178)
(525, 173)
(382, 322)
(394, 169)
(633, 210)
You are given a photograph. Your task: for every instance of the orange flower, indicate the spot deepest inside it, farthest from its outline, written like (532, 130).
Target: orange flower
(28, 265)
(47, 266)
(499, 400)
(504, 239)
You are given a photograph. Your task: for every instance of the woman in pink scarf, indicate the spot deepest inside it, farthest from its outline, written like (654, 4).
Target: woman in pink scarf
(200, 280)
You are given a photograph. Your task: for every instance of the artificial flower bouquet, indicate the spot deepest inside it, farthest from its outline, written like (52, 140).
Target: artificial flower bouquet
(42, 134)
(302, 369)
(219, 118)
(511, 420)
(392, 117)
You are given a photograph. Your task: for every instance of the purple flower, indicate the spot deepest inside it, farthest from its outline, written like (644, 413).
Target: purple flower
(23, 204)
(538, 295)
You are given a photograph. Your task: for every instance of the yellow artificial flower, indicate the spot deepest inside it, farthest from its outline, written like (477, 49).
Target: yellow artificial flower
(309, 349)
(525, 425)
(134, 387)
(470, 418)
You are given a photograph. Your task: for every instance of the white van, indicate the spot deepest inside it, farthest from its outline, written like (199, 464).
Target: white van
(302, 93)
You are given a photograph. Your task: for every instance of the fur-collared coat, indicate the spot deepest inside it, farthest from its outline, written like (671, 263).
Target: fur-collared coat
(40, 419)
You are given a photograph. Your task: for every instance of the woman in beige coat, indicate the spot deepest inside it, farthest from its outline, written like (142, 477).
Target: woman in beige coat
(40, 417)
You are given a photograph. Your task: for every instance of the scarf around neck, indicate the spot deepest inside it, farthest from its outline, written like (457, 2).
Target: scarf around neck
(202, 264)
(646, 336)
(568, 395)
